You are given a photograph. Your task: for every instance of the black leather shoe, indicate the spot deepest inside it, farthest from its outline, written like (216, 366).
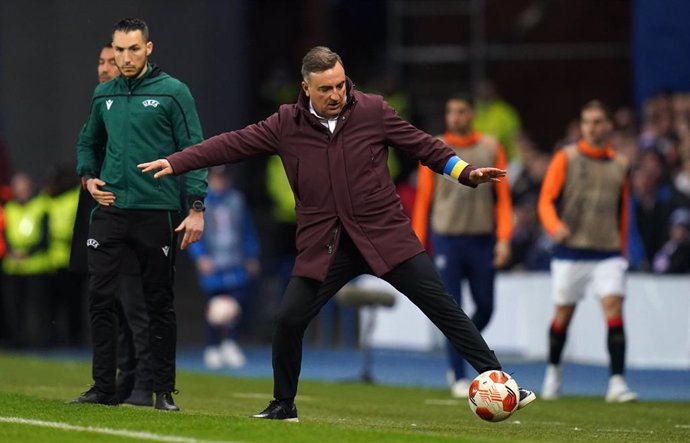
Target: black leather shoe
(165, 402)
(279, 410)
(94, 397)
(139, 397)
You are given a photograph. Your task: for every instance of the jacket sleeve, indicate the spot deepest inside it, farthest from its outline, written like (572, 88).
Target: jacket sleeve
(550, 191)
(92, 138)
(259, 139)
(423, 147)
(422, 203)
(187, 131)
(504, 204)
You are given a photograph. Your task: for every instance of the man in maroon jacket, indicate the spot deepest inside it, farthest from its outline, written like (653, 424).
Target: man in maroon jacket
(333, 143)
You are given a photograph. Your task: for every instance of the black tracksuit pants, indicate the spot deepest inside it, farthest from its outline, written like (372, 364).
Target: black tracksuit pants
(416, 278)
(150, 234)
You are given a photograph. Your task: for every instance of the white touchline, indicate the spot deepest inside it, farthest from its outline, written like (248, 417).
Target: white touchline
(108, 431)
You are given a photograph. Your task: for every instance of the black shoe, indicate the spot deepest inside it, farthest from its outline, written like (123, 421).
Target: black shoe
(139, 397)
(279, 410)
(165, 402)
(94, 397)
(526, 397)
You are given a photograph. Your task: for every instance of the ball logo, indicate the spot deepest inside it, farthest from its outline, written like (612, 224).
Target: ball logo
(92, 243)
(150, 102)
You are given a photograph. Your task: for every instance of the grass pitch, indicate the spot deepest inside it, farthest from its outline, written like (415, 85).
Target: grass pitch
(216, 408)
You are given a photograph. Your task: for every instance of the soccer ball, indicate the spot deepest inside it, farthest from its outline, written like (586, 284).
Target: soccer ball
(493, 396)
(222, 310)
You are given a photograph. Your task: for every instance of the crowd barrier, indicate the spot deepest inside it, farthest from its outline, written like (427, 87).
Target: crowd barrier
(657, 321)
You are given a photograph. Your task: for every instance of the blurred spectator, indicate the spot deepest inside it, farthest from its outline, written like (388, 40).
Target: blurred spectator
(27, 265)
(674, 256)
(530, 246)
(652, 201)
(494, 116)
(5, 173)
(227, 259)
(67, 286)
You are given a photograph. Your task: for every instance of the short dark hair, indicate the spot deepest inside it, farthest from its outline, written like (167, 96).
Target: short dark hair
(319, 59)
(597, 104)
(132, 24)
(107, 45)
(461, 97)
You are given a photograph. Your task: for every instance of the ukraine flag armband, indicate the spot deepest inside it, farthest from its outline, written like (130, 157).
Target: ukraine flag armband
(454, 167)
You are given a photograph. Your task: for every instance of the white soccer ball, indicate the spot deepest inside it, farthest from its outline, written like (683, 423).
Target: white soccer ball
(223, 310)
(493, 396)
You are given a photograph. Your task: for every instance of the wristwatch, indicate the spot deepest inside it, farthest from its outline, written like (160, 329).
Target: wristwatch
(198, 206)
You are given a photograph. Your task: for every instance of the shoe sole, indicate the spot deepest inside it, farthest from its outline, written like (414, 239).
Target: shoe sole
(527, 400)
(627, 398)
(291, 420)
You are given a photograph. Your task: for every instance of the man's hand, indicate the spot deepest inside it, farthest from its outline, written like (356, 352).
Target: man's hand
(486, 175)
(162, 164)
(193, 227)
(205, 265)
(104, 198)
(561, 234)
(501, 253)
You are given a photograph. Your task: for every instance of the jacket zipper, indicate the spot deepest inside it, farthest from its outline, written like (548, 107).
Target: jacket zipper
(331, 245)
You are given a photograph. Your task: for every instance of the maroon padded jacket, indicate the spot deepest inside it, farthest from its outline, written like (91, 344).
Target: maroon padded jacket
(340, 180)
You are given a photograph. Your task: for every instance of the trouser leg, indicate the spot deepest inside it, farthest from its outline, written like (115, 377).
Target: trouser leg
(417, 279)
(106, 234)
(154, 242)
(134, 307)
(452, 272)
(301, 302)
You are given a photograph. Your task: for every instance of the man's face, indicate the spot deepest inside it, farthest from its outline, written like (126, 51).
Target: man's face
(131, 52)
(327, 91)
(107, 69)
(459, 115)
(595, 127)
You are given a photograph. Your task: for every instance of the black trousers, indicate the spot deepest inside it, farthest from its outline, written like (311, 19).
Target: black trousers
(133, 343)
(150, 234)
(416, 278)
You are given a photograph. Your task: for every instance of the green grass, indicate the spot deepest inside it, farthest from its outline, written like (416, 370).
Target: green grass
(216, 408)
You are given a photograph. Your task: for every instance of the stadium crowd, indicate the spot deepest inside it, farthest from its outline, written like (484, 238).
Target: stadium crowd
(43, 304)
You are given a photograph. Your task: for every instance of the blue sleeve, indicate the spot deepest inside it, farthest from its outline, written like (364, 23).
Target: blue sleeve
(197, 249)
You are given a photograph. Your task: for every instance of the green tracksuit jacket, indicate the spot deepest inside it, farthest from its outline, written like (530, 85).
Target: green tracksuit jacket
(139, 120)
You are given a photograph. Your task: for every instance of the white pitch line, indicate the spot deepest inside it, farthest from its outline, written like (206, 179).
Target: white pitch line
(107, 431)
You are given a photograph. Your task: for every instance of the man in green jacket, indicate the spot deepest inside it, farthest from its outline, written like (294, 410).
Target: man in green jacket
(142, 113)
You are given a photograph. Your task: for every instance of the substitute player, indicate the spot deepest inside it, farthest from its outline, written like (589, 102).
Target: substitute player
(582, 206)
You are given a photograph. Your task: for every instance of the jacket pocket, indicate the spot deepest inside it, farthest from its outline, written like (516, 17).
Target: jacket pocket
(376, 178)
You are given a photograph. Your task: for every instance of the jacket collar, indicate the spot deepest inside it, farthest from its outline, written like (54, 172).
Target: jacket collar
(605, 151)
(461, 141)
(152, 71)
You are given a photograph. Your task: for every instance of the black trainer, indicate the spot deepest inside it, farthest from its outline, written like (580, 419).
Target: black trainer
(92, 396)
(139, 397)
(526, 397)
(165, 402)
(279, 410)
